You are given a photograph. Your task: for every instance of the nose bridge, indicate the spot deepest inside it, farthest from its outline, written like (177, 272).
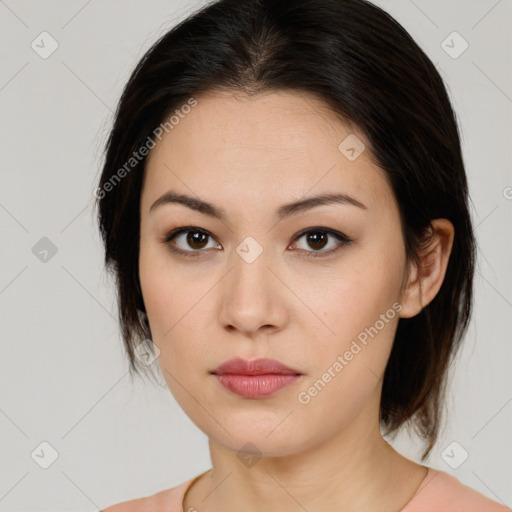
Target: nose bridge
(250, 279)
(251, 300)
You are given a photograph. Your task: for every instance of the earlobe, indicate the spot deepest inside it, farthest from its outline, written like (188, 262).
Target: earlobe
(426, 276)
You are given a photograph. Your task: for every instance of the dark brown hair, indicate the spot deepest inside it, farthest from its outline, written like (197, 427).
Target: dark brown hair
(365, 67)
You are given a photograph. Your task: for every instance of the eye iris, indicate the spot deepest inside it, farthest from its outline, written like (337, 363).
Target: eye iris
(200, 239)
(318, 237)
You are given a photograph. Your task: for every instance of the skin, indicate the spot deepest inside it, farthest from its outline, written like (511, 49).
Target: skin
(249, 156)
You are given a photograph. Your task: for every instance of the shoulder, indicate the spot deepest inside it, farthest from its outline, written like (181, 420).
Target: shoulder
(169, 499)
(443, 492)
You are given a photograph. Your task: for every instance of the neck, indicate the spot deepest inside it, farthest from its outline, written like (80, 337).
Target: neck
(355, 469)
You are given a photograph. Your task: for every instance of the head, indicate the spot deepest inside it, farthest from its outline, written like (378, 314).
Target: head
(236, 113)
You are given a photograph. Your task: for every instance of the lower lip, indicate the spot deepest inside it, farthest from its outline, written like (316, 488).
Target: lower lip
(256, 386)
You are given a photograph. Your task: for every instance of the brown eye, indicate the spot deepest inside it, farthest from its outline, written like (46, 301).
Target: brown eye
(197, 239)
(188, 241)
(318, 238)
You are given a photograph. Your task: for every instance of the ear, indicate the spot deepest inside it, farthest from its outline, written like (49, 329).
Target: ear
(425, 278)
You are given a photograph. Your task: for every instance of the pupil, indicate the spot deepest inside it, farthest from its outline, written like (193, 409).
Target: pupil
(315, 239)
(192, 240)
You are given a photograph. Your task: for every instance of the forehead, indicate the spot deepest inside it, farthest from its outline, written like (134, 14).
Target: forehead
(280, 145)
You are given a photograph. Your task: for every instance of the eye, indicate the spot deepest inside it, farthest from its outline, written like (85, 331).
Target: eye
(189, 236)
(197, 239)
(318, 238)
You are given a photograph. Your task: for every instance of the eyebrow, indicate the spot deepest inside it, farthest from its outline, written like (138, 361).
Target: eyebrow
(282, 212)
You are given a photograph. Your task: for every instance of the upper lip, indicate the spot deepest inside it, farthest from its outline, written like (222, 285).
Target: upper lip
(262, 366)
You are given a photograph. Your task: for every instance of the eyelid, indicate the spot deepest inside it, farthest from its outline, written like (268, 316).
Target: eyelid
(167, 239)
(342, 238)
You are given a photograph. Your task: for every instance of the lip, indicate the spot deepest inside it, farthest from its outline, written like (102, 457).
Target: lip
(262, 366)
(257, 378)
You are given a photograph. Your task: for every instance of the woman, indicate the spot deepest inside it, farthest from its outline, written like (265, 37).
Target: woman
(285, 208)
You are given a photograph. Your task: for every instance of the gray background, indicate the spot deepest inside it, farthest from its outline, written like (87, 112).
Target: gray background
(63, 372)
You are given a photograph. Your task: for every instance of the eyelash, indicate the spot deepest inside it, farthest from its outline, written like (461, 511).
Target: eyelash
(345, 240)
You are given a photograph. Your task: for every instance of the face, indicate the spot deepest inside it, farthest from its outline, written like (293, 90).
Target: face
(316, 287)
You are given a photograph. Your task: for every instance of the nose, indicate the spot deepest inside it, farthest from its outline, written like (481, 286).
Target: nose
(253, 297)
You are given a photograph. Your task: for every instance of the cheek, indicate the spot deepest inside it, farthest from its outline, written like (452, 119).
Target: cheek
(356, 313)
(353, 295)
(165, 296)
(347, 367)
(175, 312)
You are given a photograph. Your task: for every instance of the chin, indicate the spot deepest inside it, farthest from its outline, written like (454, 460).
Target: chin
(247, 439)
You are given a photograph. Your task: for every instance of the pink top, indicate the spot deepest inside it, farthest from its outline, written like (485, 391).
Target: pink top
(439, 492)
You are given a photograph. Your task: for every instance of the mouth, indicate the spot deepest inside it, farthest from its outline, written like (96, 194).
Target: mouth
(255, 379)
